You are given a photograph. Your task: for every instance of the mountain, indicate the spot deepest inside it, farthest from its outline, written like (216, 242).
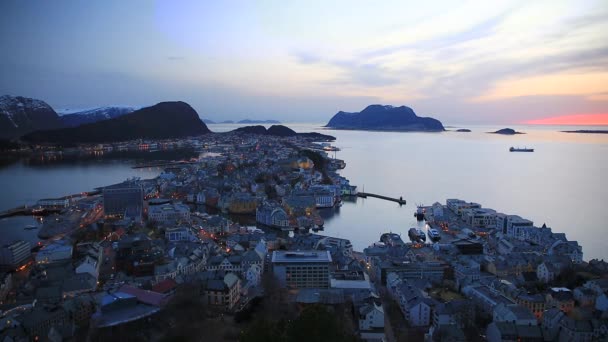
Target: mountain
(21, 115)
(93, 115)
(385, 118)
(209, 122)
(282, 131)
(256, 122)
(161, 121)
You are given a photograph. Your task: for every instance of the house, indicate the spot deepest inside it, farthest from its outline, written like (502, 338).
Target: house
(534, 303)
(515, 314)
(551, 323)
(223, 292)
(509, 331)
(569, 248)
(546, 272)
(560, 298)
(371, 322)
(179, 234)
(414, 303)
(575, 330)
(460, 313)
(584, 297)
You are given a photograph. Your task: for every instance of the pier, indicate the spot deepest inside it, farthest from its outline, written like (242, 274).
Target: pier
(399, 200)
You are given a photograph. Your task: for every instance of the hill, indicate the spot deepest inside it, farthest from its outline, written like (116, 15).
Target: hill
(385, 118)
(21, 115)
(161, 121)
(281, 131)
(93, 115)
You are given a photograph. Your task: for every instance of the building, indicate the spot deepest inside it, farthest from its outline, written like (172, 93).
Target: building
(55, 252)
(169, 213)
(371, 322)
(224, 292)
(54, 203)
(272, 216)
(179, 234)
(15, 255)
(302, 269)
(479, 218)
(124, 200)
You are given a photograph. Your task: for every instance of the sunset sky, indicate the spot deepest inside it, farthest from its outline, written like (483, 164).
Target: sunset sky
(488, 62)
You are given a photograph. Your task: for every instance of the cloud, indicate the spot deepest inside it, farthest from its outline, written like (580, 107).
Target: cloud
(576, 119)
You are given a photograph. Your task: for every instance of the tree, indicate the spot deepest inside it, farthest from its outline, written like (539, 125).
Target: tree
(317, 323)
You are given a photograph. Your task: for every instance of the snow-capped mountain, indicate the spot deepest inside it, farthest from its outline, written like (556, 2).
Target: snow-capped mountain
(20, 115)
(71, 118)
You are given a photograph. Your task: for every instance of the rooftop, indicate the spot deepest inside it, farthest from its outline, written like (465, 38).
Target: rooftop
(301, 256)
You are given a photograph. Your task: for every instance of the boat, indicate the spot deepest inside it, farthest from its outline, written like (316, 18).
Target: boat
(30, 227)
(517, 149)
(434, 235)
(38, 211)
(420, 210)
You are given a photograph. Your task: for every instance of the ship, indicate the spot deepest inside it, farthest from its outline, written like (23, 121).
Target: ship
(517, 149)
(419, 212)
(416, 235)
(434, 235)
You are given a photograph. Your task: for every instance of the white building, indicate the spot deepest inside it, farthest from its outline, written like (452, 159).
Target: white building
(169, 213)
(179, 234)
(54, 203)
(371, 322)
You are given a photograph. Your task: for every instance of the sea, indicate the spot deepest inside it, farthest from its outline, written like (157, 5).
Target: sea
(562, 184)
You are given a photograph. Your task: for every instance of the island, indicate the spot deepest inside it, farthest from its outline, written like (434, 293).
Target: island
(588, 131)
(282, 131)
(249, 122)
(385, 118)
(463, 130)
(506, 131)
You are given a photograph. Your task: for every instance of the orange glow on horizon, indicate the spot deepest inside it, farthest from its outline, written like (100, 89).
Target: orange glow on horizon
(576, 119)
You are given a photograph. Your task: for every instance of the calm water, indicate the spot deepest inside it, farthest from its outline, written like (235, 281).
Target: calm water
(561, 184)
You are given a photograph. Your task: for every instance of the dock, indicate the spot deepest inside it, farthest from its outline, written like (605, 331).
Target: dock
(399, 200)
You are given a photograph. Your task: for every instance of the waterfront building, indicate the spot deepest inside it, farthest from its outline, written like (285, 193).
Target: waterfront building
(272, 216)
(14, 255)
(54, 203)
(302, 269)
(124, 200)
(479, 218)
(457, 205)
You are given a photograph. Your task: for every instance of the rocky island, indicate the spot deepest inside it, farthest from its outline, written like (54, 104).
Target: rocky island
(463, 130)
(385, 118)
(506, 131)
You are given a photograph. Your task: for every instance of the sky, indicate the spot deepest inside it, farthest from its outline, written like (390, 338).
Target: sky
(477, 62)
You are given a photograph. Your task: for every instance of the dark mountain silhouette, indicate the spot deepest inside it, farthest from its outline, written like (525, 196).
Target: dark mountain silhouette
(20, 115)
(281, 131)
(94, 115)
(385, 118)
(161, 121)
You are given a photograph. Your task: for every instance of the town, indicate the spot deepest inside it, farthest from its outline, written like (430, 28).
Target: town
(230, 246)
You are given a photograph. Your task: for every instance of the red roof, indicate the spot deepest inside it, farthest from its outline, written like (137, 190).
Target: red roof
(145, 296)
(165, 286)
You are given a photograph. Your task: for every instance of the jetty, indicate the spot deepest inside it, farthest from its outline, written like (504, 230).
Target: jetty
(399, 200)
